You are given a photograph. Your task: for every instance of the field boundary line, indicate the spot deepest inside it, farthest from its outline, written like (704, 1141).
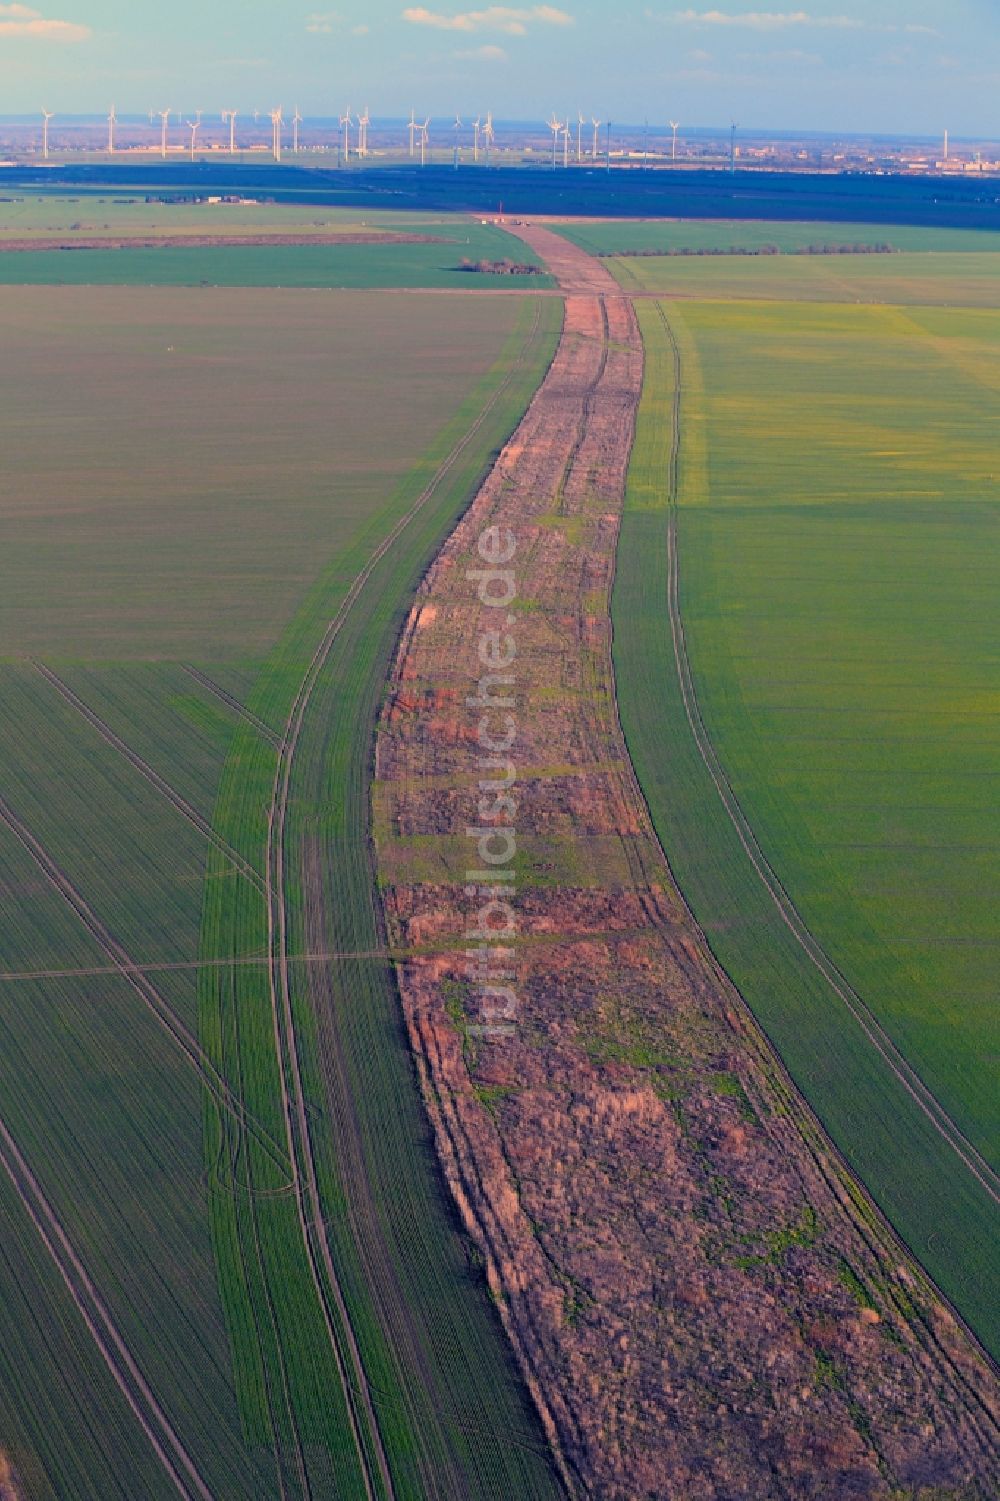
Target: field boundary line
(148, 994)
(904, 1072)
(233, 703)
(152, 776)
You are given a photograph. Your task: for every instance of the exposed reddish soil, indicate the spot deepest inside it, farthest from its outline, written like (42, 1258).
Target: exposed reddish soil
(705, 1305)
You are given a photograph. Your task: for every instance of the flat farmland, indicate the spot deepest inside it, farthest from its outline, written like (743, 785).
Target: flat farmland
(820, 747)
(629, 237)
(911, 278)
(238, 440)
(197, 488)
(38, 216)
(115, 241)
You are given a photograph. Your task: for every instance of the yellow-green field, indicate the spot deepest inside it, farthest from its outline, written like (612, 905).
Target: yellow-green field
(819, 746)
(951, 278)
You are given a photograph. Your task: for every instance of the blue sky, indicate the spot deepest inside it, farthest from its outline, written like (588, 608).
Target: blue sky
(889, 65)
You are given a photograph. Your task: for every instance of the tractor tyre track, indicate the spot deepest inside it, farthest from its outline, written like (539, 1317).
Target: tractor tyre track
(378, 1479)
(789, 914)
(152, 776)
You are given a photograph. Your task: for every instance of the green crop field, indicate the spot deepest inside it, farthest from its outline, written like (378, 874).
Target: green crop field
(432, 257)
(29, 215)
(819, 744)
(215, 507)
(912, 278)
(630, 236)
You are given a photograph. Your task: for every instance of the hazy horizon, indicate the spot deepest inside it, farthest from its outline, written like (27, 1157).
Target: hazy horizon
(901, 67)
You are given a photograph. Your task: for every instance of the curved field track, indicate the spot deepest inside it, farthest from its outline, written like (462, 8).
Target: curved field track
(405, 1350)
(653, 1199)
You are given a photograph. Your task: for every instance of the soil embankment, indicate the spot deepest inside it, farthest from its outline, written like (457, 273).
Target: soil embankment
(704, 1304)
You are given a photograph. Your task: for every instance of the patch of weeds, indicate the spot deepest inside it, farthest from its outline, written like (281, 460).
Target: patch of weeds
(490, 1095)
(802, 1233)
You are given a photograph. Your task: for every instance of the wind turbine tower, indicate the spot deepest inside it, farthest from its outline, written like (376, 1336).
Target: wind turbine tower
(424, 140)
(565, 136)
(555, 128)
(412, 127)
(597, 125)
(229, 118)
(732, 147)
(488, 135)
(164, 125)
(579, 136)
(345, 125)
(112, 122)
(296, 122)
(674, 126)
(194, 126)
(47, 115)
(475, 137)
(276, 124)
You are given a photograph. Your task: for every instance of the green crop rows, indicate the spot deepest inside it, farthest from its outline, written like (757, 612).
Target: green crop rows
(834, 520)
(162, 600)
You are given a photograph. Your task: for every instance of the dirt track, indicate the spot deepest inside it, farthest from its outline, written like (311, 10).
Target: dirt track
(665, 1227)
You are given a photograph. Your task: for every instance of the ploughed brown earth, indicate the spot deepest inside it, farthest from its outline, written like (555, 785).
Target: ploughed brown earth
(704, 1303)
(208, 241)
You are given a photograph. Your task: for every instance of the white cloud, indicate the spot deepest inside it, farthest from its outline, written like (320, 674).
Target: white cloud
(510, 20)
(322, 22)
(766, 20)
(22, 21)
(487, 54)
(780, 20)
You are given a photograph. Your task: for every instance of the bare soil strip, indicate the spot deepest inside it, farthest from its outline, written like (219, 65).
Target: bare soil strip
(152, 776)
(704, 1302)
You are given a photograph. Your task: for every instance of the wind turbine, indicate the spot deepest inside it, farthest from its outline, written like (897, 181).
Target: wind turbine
(579, 136)
(276, 124)
(345, 126)
(424, 140)
(193, 126)
(458, 127)
(597, 125)
(47, 115)
(555, 128)
(475, 129)
(164, 123)
(112, 122)
(488, 134)
(229, 118)
(674, 126)
(732, 146)
(565, 136)
(296, 122)
(412, 127)
(363, 123)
